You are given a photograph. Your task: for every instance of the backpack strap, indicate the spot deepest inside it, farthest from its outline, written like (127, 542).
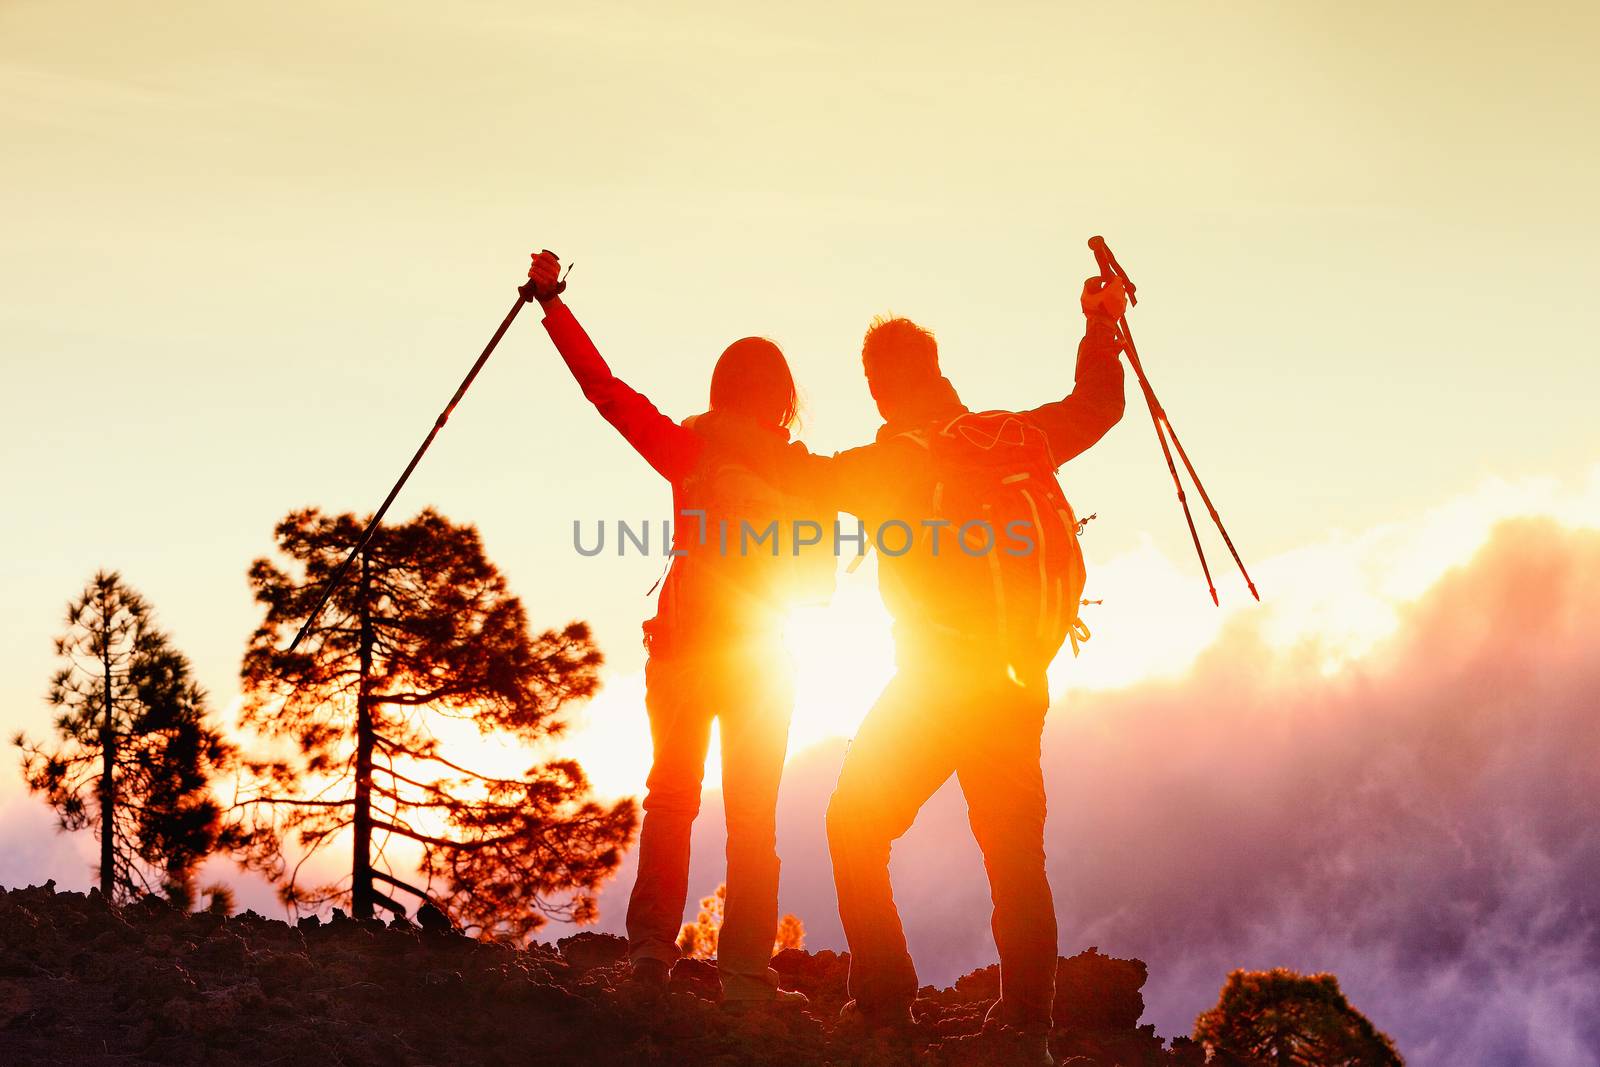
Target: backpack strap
(999, 585)
(1078, 633)
(1047, 621)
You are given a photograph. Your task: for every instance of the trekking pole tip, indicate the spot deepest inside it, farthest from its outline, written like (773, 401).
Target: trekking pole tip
(1214, 599)
(1253, 592)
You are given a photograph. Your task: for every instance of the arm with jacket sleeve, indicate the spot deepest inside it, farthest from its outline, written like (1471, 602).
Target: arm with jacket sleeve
(668, 447)
(1096, 402)
(871, 482)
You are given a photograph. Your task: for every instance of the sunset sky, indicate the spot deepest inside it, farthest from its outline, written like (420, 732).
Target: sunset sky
(247, 252)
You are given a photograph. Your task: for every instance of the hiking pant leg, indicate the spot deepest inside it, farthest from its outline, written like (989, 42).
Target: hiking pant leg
(680, 734)
(893, 766)
(1004, 786)
(754, 724)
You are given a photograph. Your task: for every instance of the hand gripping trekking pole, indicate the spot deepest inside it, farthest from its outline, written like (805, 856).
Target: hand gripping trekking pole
(1110, 268)
(525, 295)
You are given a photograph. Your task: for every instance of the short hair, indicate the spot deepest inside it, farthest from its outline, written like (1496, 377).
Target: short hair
(898, 350)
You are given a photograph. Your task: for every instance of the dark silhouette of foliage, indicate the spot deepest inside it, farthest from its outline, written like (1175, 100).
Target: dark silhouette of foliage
(135, 756)
(1281, 1017)
(424, 633)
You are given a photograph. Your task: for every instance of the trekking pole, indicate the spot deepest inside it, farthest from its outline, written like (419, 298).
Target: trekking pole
(1110, 268)
(525, 295)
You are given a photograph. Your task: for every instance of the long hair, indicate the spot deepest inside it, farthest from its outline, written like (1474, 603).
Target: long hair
(753, 377)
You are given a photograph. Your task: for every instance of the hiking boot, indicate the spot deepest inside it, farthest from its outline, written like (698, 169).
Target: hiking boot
(896, 1017)
(743, 992)
(780, 1000)
(649, 980)
(1031, 1049)
(1024, 1044)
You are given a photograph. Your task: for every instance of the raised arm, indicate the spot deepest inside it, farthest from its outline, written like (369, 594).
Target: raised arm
(668, 447)
(1096, 402)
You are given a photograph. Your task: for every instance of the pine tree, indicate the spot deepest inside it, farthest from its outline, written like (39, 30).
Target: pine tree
(135, 756)
(699, 939)
(1281, 1017)
(423, 634)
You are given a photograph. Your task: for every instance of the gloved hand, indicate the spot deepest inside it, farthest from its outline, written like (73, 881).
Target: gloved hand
(1104, 299)
(545, 274)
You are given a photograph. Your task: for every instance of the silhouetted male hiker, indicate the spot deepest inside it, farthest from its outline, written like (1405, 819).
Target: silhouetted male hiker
(974, 632)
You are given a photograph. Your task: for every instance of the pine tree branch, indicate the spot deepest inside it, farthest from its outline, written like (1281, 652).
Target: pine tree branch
(397, 776)
(445, 802)
(418, 699)
(427, 839)
(391, 746)
(293, 800)
(387, 901)
(398, 884)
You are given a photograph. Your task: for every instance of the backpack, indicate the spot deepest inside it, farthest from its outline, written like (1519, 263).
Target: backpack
(760, 555)
(1009, 568)
(748, 569)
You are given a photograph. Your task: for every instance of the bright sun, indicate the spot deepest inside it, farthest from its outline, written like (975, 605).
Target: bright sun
(843, 655)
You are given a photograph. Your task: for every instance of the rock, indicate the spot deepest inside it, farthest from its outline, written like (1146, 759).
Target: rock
(586, 951)
(16, 999)
(792, 961)
(698, 977)
(433, 920)
(224, 950)
(1096, 992)
(174, 1016)
(82, 982)
(439, 981)
(284, 971)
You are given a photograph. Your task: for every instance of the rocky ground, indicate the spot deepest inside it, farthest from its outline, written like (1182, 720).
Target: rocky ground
(84, 983)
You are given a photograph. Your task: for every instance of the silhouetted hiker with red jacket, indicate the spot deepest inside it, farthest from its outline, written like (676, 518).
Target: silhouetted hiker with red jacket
(714, 646)
(974, 632)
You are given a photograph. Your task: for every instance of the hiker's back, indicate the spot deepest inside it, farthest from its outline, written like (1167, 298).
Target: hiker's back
(737, 567)
(993, 564)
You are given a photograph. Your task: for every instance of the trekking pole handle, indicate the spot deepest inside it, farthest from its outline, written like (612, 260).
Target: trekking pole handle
(527, 288)
(1102, 253)
(1110, 268)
